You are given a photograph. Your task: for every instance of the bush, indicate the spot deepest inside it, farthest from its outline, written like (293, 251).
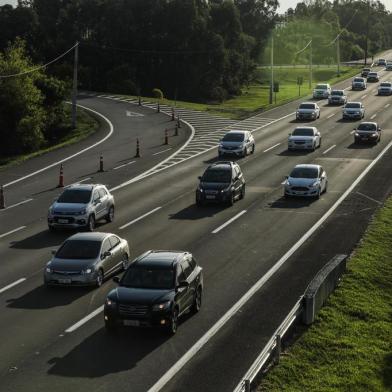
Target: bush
(157, 93)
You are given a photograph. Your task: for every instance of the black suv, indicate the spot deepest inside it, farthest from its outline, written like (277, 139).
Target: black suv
(365, 72)
(155, 290)
(221, 182)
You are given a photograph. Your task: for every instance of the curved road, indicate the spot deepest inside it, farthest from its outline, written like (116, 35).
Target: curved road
(56, 341)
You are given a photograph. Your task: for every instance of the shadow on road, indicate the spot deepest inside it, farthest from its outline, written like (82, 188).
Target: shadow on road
(292, 202)
(361, 146)
(193, 212)
(101, 354)
(45, 298)
(43, 239)
(293, 153)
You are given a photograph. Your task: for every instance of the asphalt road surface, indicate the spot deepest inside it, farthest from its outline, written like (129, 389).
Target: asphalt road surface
(55, 339)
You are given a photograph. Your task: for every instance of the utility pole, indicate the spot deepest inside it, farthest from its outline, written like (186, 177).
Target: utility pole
(367, 32)
(338, 53)
(311, 64)
(272, 69)
(75, 85)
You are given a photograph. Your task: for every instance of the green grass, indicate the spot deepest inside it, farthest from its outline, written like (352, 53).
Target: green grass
(256, 97)
(349, 347)
(86, 126)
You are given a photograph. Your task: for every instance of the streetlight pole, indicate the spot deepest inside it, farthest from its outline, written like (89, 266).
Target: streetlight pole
(367, 32)
(311, 65)
(272, 69)
(338, 54)
(75, 85)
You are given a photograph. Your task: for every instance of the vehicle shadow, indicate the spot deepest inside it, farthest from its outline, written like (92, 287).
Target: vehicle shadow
(43, 239)
(45, 298)
(194, 212)
(294, 153)
(231, 158)
(361, 146)
(111, 353)
(292, 202)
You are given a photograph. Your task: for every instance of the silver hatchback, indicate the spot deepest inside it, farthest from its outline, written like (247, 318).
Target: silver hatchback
(86, 259)
(80, 206)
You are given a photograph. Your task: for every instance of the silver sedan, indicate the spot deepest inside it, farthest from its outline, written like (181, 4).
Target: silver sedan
(86, 259)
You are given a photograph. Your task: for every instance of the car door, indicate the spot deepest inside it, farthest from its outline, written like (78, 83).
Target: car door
(104, 201)
(323, 179)
(116, 251)
(248, 137)
(237, 180)
(97, 204)
(190, 278)
(181, 292)
(106, 259)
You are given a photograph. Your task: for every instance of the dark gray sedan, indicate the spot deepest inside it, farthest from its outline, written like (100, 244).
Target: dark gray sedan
(86, 259)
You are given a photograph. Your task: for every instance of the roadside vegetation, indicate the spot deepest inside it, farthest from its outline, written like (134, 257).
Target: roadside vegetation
(349, 347)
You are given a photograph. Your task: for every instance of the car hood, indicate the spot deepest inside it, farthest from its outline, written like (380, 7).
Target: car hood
(128, 295)
(293, 138)
(217, 186)
(337, 96)
(365, 132)
(68, 207)
(231, 144)
(320, 91)
(301, 181)
(70, 265)
(306, 110)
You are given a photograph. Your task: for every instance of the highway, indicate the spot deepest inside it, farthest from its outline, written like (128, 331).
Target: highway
(55, 339)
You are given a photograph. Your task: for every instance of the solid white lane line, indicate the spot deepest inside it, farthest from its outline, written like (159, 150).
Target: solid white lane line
(374, 116)
(387, 105)
(125, 164)
(276, 145)
(12, 231)
(111, 129)
(217, 230)
(84, 179)
(169, 374)
(161, 152)
(329, 149)
(16, 204)
(331, 115)
(140, 218)
(352, 132)
(12, 285)
(364, 96)
(84, 320)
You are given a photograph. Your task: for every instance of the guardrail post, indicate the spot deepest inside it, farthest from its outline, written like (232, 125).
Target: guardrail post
(178, 121)
(101, 164)
(158, 108)
(2, 198)
(247, 385)
(176, 131)
(166, 137)
(172, 114)
(61, 177)
(137, 155)
(278, 348)
(140, 101)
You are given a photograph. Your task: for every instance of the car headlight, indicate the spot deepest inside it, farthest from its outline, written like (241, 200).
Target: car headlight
(110, 302)
(161, 306)
(200, 189)
(82, 212)
(356, 134)
(48, 270)
(287, 183)
(374, 134)
(225, 190)
(316, 183)
(87, 271)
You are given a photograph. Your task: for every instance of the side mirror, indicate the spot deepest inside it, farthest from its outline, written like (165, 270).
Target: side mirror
(289, 134)
(184, 283)
(116, 279)
(106, 254)
(199, 177)
(286, 177)
(379, 129)
(54, 251)
(97, 201)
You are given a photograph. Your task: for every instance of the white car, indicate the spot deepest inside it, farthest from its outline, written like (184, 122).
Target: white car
(358, 84)
(353, 110)
(307, 181)
(322, 91)
(385, 88)
(388, 67)
(239, 143)
(337, 97)
(304, 138)
(308, 111)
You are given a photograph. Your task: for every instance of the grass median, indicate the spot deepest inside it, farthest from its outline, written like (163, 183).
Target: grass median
(255, 97)
(349, 347)
(86, 126)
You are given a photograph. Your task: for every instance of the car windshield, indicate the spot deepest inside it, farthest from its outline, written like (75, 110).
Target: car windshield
(354, 105)
(303, 132)
(79, 249)
(82, 196)
(358, 80)
(366, 69)
(217, 175)
(306, 106)
(321, 87)
(372, 74)
(367, 127)
(144, 277)
(385, 84)
(233, 137)
(337, 92)
(304, 172)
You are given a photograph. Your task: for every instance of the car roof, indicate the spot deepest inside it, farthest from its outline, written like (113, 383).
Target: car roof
(161, 258)
(368, 122)
(226, 165)
(353, 102)
(307, 166)
(373, 72)
(322, 84)
(304, 127)
(237, 131)
(335, 90)
(82, 186)
(307, 103)
(95, 236)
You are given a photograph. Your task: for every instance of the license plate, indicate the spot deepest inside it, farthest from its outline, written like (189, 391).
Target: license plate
(210, 197)
(63, 220)
(65, 281)
(364, 138)
(131, 323)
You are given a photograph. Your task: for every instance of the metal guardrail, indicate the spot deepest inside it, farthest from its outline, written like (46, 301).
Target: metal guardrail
(304, 310)
(272, 347)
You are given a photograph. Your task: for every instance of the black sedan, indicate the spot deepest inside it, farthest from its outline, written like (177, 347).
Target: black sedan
(367, 132)
(156, 289)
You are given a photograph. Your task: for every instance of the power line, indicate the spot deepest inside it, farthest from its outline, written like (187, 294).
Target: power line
(41, 66)
(303, 48)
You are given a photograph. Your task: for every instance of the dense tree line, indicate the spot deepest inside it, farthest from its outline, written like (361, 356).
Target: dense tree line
(195, 49)
(356, 19)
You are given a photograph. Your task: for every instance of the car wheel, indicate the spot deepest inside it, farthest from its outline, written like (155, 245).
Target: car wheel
(173, 324)
(231, 199)
(245, 152)
(99, 278)
(286, 195)
(318, 194)
(319, 115)
(125, 262)
(326, 187)
(110, 327)
(319, 146)
(110, 215)
(199, 202)
(242, 195)
(91, 223)
(253, 149)
(51, 228)
(314, 147)
(197, 301)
